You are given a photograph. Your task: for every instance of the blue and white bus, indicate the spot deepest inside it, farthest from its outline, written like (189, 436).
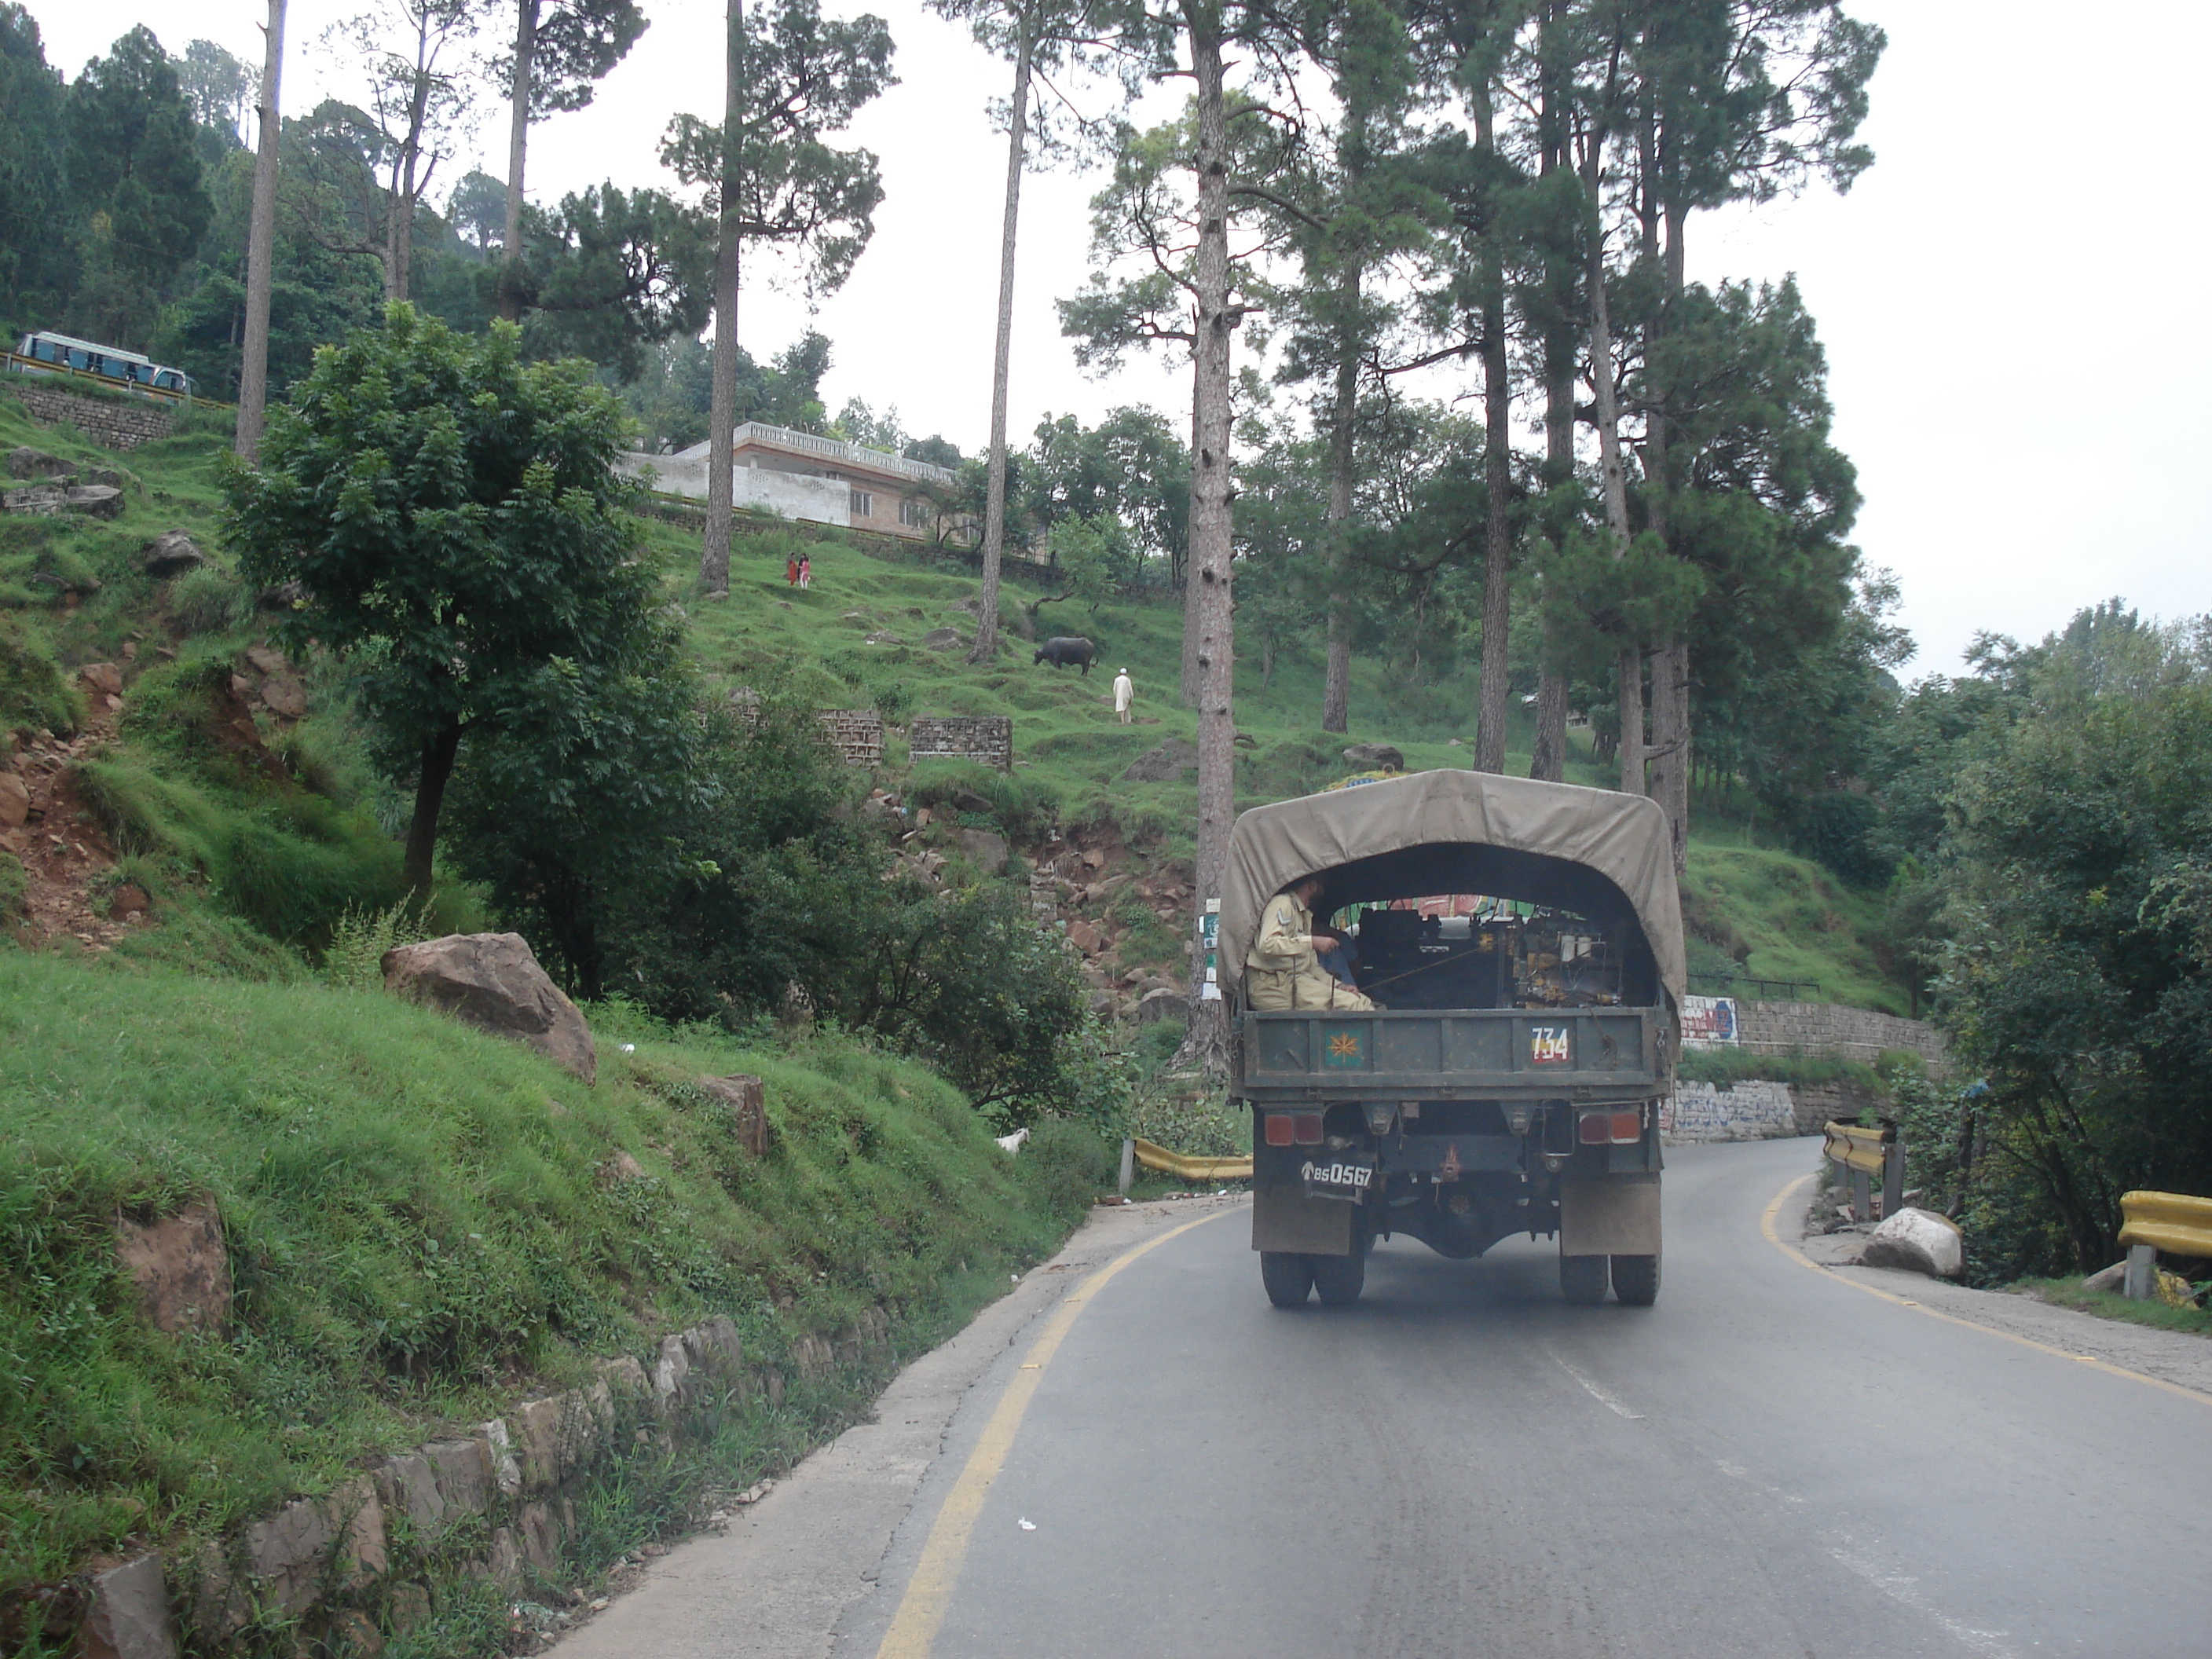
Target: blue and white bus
(48, 353)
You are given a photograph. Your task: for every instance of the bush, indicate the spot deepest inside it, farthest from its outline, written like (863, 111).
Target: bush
(1067, 1164)
(208, 600)
(1844, 832)
(33, 691)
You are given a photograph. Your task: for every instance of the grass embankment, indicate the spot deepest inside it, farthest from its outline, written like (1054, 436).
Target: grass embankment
(424, 1223)
(2068, 1293)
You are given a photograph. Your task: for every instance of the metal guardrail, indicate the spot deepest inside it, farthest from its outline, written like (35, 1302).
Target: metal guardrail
(1768, 988)
(2152, 1222)
(1136, 1149)
(1864, 1154)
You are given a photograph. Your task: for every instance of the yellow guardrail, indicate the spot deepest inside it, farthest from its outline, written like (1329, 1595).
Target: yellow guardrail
(1863, 1150)
(2168, 1221)
(1191, 1169)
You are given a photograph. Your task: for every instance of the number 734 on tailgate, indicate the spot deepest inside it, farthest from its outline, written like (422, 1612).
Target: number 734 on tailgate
(1548, 1045)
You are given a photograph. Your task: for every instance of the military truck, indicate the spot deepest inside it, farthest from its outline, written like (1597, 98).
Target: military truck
(1525, 940)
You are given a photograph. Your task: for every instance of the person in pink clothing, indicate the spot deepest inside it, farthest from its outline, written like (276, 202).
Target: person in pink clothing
(805, 571)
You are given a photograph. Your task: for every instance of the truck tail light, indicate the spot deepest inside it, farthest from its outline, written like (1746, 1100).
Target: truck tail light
(1616, 1128)
(1278, 1129)
(1308, 1128)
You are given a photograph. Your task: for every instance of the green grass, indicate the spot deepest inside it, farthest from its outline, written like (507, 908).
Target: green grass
(2068, 1293)
(423, 1223)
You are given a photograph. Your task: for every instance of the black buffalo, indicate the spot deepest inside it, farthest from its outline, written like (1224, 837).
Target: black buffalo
(1060, 653)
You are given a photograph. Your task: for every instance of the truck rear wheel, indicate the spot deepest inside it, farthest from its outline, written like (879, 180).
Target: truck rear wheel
(1583, 1278)
(1636, 1279)
(1287, 1275)
(1338, 1279)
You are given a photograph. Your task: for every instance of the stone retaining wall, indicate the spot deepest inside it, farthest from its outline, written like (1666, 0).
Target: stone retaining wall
(986, 737)
(857, 734)
(498, 1502)
(1700, 1112)
(113, 426)
(1827, 1028)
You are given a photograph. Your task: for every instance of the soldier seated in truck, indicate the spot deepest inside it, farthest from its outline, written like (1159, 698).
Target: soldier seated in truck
(1284, 970)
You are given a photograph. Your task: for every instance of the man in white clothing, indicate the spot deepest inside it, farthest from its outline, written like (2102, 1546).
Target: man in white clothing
(1125, 695)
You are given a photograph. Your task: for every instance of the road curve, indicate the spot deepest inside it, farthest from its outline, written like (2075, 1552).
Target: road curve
(1769, 1463)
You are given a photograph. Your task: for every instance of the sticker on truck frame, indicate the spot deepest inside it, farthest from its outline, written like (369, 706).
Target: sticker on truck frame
(1344, 1178)
(1549, 1045)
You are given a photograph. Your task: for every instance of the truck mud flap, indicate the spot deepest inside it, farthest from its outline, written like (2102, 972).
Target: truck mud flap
(1285, 1218)
(1618, 1216)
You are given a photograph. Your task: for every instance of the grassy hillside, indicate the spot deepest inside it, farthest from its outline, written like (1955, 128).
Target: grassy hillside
(425, 1222)
(323, 845)
(1759, 911)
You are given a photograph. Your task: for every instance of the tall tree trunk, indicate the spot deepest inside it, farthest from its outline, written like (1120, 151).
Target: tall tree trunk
(1210, 603)
(260, 240)
(722, 394)
(1628, 663)
(1548, 758)
(1343, 423)
(994, 487)
(1671, 731)
(518, 146)
(438, 753)
(1496, 693)
(1189, 689)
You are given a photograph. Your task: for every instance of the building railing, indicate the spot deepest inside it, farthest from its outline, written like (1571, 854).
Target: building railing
(806, 443)
(1767, 990)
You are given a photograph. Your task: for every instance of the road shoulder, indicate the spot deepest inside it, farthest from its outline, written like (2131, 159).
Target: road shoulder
(775, 1582)
(2175, 1357)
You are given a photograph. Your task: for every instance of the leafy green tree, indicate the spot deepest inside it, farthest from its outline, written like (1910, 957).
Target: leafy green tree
(2078, 869)
(451, 514)
(791, 78)
(135, 179)
(477, 210)
(561, 53)
(219, 87)
(33, 196)
(615, 272)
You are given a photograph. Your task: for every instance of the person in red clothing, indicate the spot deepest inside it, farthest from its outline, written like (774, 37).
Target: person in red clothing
(791, 572)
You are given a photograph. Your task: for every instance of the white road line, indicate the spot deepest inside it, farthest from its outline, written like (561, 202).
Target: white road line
(1611, 1403)
(1905, 1591)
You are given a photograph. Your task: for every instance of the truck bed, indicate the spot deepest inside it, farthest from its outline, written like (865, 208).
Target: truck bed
(1469, 1053)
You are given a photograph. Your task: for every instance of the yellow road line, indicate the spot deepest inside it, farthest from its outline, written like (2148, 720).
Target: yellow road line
(929, 1592)
(1766, 1226)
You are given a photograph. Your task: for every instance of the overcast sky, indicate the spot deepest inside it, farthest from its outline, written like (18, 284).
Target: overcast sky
(2007, 297)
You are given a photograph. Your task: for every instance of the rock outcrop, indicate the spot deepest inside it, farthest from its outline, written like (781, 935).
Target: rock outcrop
(1163, 764)
(492, 982)
(180, 1267)
(1378, 755)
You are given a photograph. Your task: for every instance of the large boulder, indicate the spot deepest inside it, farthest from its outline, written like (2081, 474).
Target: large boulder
(1163, 764)
(171, 553)
(986, 850)
(24, 462)
(1377, 756)
(130, 1617)
(492, 982)
(1919, 1242)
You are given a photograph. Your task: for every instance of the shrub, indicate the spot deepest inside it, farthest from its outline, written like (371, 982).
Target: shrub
(208, 600)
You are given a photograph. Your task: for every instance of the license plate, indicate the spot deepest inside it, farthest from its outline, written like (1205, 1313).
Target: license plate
(1548, 1045)
(1346, 1179)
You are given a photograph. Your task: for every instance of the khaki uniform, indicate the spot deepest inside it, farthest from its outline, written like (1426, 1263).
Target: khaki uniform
(1282, 972)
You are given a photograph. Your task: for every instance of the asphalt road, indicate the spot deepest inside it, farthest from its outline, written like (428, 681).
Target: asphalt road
(1765, 1463)
(1772, 1462)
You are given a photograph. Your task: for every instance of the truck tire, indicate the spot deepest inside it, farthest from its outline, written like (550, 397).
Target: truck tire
(1583, 1278)
(1287, 1275)
(1636, 1279)
(1337, 1279)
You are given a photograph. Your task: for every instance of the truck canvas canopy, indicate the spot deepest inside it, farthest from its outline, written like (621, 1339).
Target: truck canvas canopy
(1603, 855)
